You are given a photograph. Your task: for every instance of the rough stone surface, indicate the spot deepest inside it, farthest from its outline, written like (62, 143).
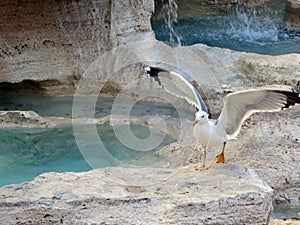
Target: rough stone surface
(54, 42)
(51, 40)
(284, 222)
(249, 69)
(270, 144)
(22, 119)
(194, 8)
(232, 71)
(227, 194)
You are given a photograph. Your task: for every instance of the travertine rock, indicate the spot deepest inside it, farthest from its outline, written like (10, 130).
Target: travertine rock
(284, 222)
(194, 8)
(228, 194)
(239, 70)
(22, 119)
(54, 42)
(249, 69)
(270, 144)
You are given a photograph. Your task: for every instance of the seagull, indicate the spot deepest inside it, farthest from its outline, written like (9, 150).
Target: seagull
(238, 106)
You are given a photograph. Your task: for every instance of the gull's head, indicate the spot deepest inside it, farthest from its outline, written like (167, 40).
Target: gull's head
(200, 117)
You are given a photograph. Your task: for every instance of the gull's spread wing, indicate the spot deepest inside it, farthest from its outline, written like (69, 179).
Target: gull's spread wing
(240, 105)
(177, 85)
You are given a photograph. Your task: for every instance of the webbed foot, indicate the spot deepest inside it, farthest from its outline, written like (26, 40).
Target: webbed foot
(201, 168)
(220, 158)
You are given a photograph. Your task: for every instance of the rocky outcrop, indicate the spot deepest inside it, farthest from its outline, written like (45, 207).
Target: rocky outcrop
(227, 194)
(51, 41)
(249, 69)
(22, 119)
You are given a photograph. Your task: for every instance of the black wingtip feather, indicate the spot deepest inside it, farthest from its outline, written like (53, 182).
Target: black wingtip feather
(292, 98)
(153, 71)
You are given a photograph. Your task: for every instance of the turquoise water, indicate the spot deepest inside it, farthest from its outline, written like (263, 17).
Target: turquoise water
(28, 152)
(62, 106)
(258, 30)
(286, 211)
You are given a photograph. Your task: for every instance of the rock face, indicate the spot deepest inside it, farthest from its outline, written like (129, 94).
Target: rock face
(53, 42)
(227, 194)
(292, 14)
(194, 8)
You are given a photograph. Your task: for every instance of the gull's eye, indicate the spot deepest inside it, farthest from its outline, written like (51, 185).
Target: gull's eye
(202, 116)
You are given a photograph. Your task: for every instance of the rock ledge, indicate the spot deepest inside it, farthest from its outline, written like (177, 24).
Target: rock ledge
(224, 194)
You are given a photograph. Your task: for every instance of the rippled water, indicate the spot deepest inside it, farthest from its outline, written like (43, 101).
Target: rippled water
(259, 30)
(28, 152)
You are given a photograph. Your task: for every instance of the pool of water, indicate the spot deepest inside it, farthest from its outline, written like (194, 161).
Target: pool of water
(62, 106)
(286, 211)
(258, 30)
(28, 152)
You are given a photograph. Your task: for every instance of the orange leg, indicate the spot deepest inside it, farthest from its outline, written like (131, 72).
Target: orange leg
(220, 157)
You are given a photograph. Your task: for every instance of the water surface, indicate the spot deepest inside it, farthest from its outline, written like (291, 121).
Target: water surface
(62, 106)
(286, 211)
(27, 152)
(259, 29)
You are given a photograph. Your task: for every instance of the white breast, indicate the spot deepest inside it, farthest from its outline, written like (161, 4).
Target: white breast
(207, 136)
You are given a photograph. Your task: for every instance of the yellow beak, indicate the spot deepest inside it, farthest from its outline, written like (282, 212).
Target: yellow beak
(195, 122)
